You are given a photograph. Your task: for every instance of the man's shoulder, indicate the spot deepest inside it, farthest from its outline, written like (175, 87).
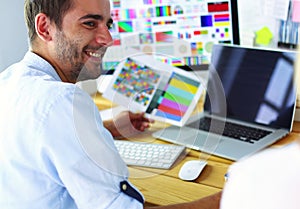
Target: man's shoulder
(60, 92)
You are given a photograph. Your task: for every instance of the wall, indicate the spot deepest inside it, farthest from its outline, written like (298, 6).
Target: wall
(13, 36)
(252, 19)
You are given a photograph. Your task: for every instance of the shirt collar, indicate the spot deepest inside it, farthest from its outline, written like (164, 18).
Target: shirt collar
(40, 64)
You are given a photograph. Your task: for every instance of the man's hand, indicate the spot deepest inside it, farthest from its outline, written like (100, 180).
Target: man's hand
(127, 124)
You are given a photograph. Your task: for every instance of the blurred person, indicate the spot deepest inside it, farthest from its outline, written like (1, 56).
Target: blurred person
(266, 180)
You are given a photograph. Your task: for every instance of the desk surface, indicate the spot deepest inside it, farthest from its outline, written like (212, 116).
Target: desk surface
(163, 187)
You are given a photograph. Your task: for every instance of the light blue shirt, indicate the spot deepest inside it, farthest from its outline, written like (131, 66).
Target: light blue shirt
(54, 151)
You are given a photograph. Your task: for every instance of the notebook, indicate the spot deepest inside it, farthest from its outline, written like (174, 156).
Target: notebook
(248, 90)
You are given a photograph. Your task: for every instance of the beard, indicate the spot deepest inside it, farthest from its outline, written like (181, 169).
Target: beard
(71, 59)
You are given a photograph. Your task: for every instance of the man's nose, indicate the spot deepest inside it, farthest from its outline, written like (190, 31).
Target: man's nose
(104, 37)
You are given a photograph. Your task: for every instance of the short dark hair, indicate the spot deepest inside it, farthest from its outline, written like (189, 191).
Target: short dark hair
(54, 9)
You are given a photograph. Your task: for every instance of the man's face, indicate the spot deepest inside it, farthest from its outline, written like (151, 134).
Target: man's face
(81, 43)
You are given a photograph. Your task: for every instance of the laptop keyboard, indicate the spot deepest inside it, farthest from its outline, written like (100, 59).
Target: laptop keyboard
(236, 131)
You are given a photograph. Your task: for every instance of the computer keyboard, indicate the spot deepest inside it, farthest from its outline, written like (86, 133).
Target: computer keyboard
(150, 155)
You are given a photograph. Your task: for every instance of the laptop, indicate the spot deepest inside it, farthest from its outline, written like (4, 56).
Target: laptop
(249, 104)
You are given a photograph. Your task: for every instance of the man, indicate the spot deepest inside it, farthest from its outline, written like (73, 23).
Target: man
(55, 151)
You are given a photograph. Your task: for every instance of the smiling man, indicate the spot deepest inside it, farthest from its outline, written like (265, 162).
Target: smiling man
(75, 45)
(55, 150)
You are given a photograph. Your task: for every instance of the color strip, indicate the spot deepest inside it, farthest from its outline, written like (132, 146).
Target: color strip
(222, 23)
(174, 105)
(180, 92)
(177, 98)
(221, 18)
(152, 1)
(163, 11)
(185, 79)
(166, 115)
(170, 110)
(116, 3)
(183, 86)
(218, 7)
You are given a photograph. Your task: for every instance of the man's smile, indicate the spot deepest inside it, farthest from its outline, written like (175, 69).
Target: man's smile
(94, 54)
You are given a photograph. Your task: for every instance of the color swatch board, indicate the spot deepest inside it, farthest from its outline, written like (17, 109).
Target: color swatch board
(179, 32)
(163, 92)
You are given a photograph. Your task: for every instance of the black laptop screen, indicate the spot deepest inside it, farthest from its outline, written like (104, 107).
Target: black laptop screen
(252, 84)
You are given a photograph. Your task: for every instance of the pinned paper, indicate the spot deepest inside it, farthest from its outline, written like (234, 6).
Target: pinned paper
(276, 8)
(296, 11)
(263, 36)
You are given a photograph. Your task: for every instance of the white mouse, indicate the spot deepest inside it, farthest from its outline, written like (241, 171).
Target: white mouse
(191, 169)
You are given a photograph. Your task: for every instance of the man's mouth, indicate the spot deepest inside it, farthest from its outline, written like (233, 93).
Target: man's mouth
(94, 54)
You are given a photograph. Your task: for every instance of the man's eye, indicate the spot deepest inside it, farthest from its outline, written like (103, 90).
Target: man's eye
(109, 26)
(89, 24)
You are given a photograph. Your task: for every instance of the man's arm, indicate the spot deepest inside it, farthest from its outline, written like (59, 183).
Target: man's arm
(210, 202)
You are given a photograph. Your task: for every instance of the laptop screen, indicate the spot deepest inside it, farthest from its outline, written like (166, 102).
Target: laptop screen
(252, 85)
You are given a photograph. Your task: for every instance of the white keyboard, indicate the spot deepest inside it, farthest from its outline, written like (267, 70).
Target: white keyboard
(149, 155)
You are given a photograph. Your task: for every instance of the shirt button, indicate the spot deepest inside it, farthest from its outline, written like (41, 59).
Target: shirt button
(124, 187)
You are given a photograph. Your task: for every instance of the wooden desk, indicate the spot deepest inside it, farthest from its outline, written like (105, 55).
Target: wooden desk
(163, 187)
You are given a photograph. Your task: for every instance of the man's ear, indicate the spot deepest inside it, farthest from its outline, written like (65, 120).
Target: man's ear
(43, 27)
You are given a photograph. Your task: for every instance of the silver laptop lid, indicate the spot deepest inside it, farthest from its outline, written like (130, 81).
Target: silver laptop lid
(256, 84)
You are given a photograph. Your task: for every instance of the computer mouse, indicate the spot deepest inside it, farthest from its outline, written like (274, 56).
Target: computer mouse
(191, 169)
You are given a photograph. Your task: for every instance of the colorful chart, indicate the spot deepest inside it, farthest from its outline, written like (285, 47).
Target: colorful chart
(221, 19)
(163, 11)
(116, 3)
(162, 92)
(218, 7)
(164, 37)
(128, 14)
(206, 21)
(173, 101)
(152, 2)
(136, 81)
(125, 26)
(197, 48)
(154, 23)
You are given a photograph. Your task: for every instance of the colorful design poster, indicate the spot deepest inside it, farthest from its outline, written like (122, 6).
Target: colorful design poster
(171, 21)
(163, 92)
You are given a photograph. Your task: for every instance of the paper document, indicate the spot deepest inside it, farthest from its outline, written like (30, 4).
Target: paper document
(276, 8)
(165, 93)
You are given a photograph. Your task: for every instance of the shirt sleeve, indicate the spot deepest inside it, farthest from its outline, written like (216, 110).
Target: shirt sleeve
(80, 154)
